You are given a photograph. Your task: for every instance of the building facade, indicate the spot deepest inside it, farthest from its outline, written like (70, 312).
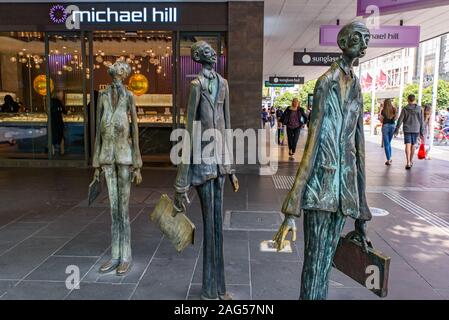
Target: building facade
(68, 47)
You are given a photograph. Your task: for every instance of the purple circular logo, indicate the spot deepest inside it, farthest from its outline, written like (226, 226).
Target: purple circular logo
(58, 14)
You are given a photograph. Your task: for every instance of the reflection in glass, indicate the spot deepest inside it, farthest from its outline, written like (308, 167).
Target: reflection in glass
(23, 121)
(65, 63)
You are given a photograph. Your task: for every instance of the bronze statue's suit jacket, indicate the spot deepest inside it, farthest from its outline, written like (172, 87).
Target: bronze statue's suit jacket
(116, 142)
(210, 114)
(331, 175)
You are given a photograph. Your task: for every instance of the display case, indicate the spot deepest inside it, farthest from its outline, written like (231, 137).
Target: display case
(38, 118)
(26, 133)
(74, 102)
(152, 109)
(155, 118)
(155, 110)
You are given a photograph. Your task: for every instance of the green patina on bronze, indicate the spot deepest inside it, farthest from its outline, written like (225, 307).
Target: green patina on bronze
(208, 108)
(330, 181)
(117, 154)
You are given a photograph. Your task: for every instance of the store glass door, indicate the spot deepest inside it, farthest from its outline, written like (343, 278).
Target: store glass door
(68, 98)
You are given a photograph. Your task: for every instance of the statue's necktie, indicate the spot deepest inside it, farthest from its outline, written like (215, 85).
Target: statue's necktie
(115, 96)
(211, 77)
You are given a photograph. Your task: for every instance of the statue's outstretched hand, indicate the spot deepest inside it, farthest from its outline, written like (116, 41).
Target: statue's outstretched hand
(234, 182)
(288, 225)
(97, 174)
(137, 177)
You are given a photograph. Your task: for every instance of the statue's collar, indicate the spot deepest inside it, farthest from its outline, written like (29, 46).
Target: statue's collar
(209, 74)
(347, 69)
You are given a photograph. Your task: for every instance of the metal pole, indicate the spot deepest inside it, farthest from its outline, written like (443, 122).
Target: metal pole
(401, 81)
(421, 72)
(30, 86)
(85, 111)
(434, 91)
(373, 96)
(93, 107)
(48, 89)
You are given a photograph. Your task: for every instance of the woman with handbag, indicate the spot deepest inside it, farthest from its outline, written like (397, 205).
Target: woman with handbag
(388, 118)
(426, 140)
(294, 119)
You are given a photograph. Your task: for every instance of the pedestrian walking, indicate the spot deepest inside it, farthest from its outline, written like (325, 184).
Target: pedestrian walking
(427, 128)
(294, 118)
(413, 126)
(388, 118)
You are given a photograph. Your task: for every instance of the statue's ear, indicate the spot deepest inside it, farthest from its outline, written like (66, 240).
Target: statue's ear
(342, 43)
(196, 56)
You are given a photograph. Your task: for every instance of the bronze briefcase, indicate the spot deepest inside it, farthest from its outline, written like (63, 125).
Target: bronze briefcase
(179, 229)
(352, 260)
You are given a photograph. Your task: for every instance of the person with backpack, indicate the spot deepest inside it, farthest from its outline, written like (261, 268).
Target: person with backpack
(294, 119)
(413, 126)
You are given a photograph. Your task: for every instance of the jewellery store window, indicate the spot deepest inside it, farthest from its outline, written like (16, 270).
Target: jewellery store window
(23, 117)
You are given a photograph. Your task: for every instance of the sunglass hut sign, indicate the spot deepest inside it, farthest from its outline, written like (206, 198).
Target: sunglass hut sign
(73, 17)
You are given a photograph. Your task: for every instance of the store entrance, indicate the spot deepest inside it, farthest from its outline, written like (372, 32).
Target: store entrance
(150, 55)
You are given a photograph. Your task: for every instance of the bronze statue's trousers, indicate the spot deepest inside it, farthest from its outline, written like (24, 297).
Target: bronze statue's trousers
(118, 179)
(322, 231)
(211, 197)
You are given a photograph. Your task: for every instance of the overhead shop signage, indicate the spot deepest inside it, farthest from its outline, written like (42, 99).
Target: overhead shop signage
(318, 59)
(111, 15)
(268, 84)
(73, 16)
(382, 37)
(389, 6)
(286, 80)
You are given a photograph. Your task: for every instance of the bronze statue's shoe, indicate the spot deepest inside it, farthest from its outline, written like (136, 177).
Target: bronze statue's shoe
(123, 268)
(225, 297)
(110, 265)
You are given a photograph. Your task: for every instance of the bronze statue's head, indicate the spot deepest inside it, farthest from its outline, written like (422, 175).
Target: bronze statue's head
(353, 39)
(120, 70)
(202, 52)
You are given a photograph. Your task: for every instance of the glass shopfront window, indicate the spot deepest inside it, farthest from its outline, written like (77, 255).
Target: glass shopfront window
(66, 69)
(150, 55)
(60, 124)
(23, 119)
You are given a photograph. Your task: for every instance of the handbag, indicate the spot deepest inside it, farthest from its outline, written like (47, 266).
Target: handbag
(422, 152)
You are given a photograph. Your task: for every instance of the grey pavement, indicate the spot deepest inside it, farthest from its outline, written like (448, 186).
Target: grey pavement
(47, 227)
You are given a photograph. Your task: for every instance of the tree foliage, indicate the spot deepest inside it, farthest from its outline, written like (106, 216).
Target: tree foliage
(307, 88)
(284, 100)
(367, 101)
(442, 94)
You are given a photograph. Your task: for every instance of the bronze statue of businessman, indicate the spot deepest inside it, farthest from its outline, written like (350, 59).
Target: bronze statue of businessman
(208, 108)
(330, 181)
(117, 154)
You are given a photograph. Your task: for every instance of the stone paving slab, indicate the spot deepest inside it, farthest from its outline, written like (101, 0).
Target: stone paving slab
(41, 236)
